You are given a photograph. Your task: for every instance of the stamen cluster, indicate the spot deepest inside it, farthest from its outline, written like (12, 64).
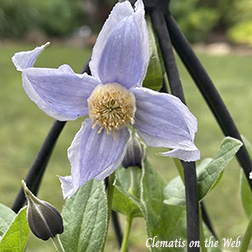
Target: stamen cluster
(111, 107)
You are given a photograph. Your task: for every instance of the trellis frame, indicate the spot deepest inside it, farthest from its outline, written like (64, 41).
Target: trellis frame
(169, 36)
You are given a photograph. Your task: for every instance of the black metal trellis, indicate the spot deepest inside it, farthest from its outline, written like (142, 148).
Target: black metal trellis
(35, 174)
(209, 92)
(169, 36)
(157, 11)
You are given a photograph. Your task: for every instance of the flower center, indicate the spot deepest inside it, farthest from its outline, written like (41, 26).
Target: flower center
(112, 107)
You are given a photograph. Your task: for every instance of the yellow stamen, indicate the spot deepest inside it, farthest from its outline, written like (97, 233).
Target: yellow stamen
(112, 107)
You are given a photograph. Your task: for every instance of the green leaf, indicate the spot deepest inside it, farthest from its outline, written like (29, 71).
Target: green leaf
(174, 192)
(164, 222)
(85, 218)
(125, 201)
(246, 195)
(209, 176)
(153, 187)
(208, 173)
(173, 228)
(154, 76)
(15, 238)
(6, 217)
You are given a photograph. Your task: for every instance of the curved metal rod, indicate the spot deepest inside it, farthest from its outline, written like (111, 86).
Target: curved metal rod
(35, 174)
(208, 91)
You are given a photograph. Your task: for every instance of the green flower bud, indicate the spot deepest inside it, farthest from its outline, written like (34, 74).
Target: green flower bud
(44, 219)
(134, 153)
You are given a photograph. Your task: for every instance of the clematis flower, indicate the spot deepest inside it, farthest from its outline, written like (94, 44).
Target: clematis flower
(113, 98)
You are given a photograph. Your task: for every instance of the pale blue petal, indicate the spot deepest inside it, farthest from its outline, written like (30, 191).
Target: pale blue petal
(119, 12)
(23, 60)
(192, 154)
(122, 55)
(113, 166)
(92, 154)
(67, 186)
(163, 120)
(144, 35)
(121, 60)
(60, 92)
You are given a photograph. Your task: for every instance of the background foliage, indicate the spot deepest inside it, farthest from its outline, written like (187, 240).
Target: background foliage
(199, 19)
(55, 18)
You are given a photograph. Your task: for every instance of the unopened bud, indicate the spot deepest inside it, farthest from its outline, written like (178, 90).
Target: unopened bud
(135, 152)
(44, 219)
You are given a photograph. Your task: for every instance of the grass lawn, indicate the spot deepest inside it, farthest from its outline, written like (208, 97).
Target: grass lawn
(24, 127)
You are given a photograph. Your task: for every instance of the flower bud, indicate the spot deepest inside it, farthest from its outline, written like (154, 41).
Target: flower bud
(44, 219)
(134, 153)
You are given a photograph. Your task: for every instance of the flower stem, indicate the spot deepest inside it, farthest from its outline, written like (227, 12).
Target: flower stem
(110, 194)
(57, 244)
(126, 233)
(247, 236)
(133, 175)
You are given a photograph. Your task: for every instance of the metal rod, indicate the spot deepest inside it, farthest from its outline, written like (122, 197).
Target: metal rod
(38, 167)
(207, 220)
(117, 227)
(167, 53)
(191, 186)
(208, 90)
(192, 206)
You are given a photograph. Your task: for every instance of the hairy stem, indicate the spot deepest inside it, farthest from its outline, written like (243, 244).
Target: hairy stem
(126, 234)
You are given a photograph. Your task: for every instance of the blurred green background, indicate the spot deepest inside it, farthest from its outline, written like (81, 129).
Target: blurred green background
(25, 24)
(199, 19)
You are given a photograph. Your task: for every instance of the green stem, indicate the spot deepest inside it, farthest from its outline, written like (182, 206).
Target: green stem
(133, 174)
(126, 234)
(247, 236)
(110, 194)
(57, 244)
(202, 237)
